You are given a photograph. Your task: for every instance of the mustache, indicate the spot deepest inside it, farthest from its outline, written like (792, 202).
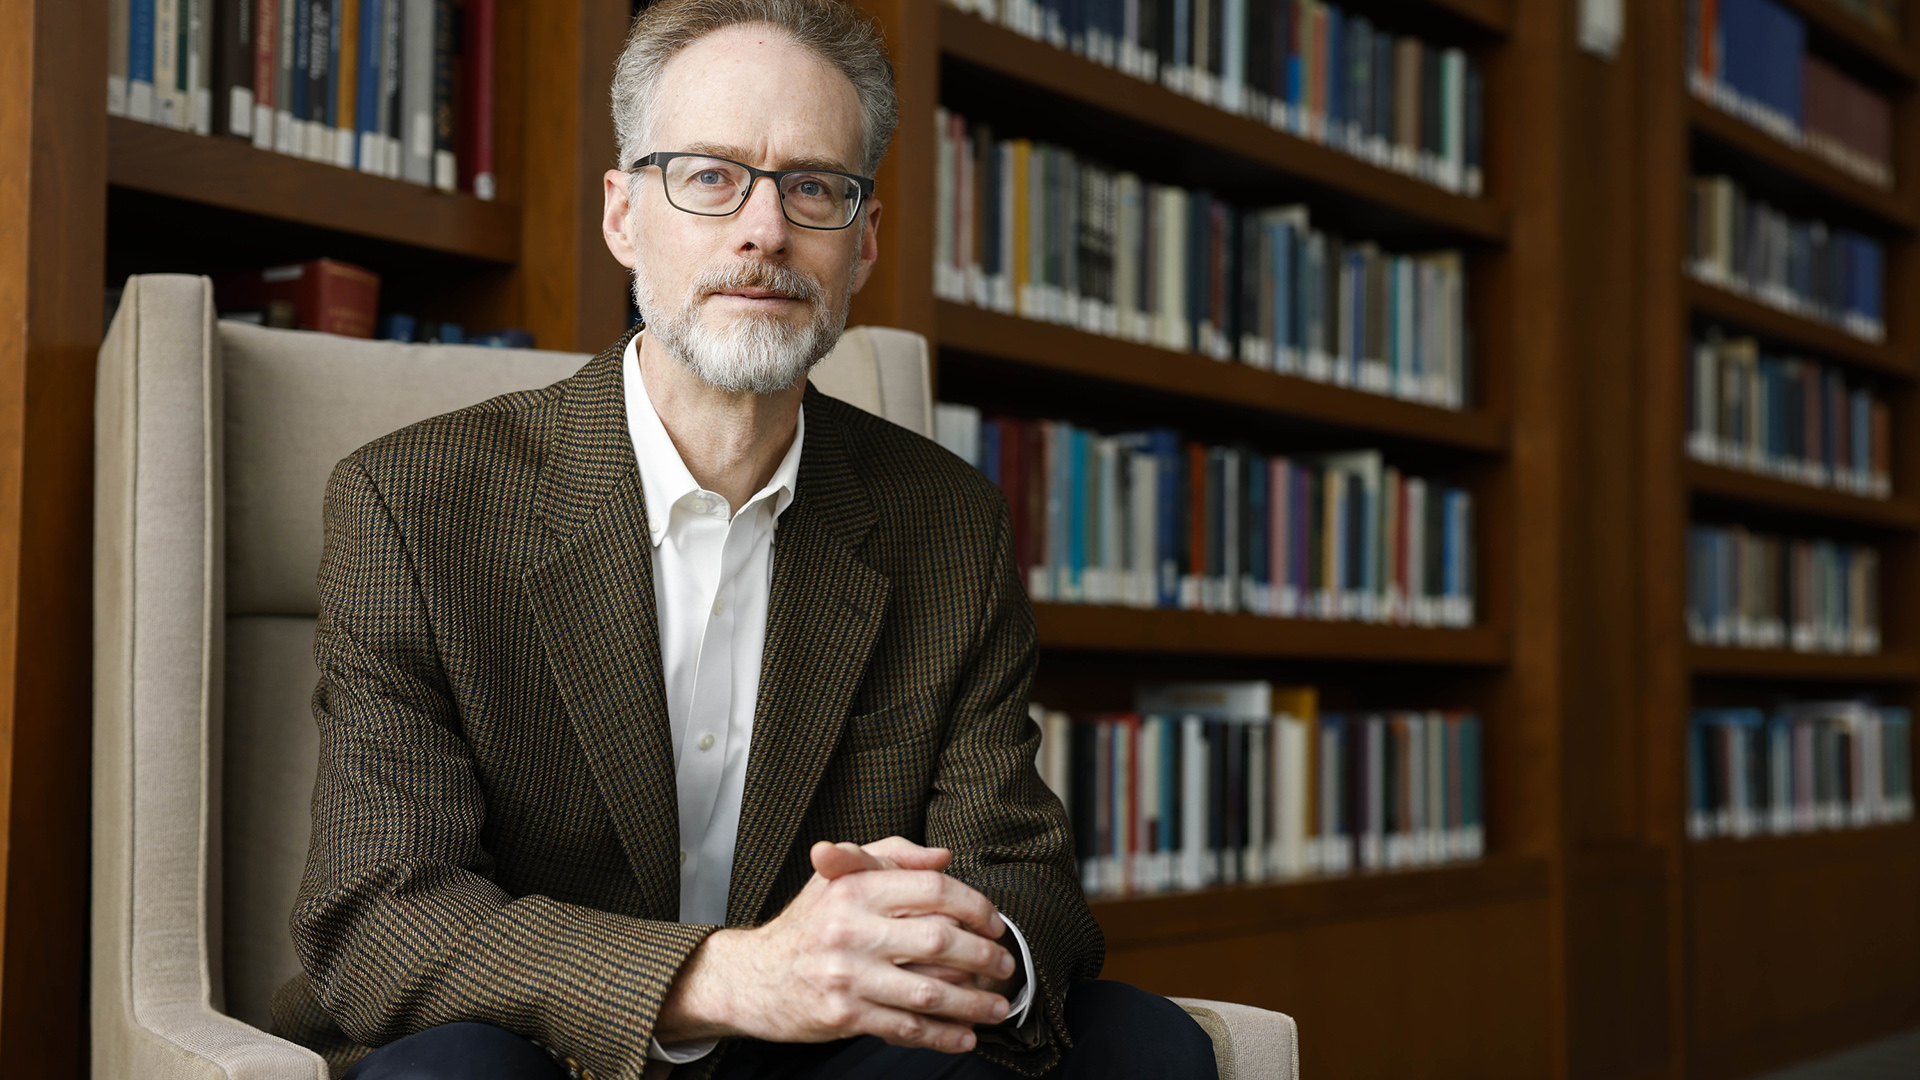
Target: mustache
(780, 280)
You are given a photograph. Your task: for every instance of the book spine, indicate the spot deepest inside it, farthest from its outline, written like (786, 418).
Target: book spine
(266, 70)
(140, 60)
(166, 63)
(445, 84)
(369, 155)
(318, 57)
(119, 30)
(199, 82)
(289, 109)
(416, 92)
(232, 98)
(346, 83)
(480, 65)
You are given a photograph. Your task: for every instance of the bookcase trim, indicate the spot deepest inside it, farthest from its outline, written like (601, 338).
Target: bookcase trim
(1782, 328)
(1898, 513)
(1162, 631)
(1885, 205)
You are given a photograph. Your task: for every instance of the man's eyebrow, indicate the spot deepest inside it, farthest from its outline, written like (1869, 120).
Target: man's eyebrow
(735, 153)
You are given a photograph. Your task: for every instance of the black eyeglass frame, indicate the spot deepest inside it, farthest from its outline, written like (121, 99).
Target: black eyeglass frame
(660, 158)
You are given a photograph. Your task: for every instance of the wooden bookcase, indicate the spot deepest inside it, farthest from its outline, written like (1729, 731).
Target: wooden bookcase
(1787, 946)
(1594, 941)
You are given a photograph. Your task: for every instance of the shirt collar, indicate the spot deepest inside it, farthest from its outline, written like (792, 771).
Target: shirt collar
(664, 477)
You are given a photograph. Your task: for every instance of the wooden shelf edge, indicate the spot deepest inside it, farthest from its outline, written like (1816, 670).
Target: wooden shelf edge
(970, 38)
(1724, 857)
(1826, 17)
(1886, 667)
(1103, 628)
(1155, 919)
(1076, 352)
(235, 176)
(1736, 485)
(1794, 331)
(1494, 16)
(1731, 131)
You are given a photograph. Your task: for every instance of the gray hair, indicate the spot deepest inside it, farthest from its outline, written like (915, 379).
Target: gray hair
(833, 30)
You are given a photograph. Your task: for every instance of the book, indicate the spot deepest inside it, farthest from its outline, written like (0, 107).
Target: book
(169, 90)
(1802, 266)
(323, 294)
(233, 66)
(140, 59)
(119, 30)
(289, 117)
(266, 72)
(416, 91)
(199, 51)
(346, 84)
(446, 51)
(476, 151)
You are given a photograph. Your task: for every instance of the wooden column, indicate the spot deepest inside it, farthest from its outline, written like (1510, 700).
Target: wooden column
(900, 291)
(53, 122)
(570, 291)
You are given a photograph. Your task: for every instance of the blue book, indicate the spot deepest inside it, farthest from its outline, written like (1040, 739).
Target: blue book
(140, 59)
(1079, 465)
(1182, 34)
(990, 451)
(366, 94)
(302, 49)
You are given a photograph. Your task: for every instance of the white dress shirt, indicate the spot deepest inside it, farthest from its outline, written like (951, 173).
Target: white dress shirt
(712, 582)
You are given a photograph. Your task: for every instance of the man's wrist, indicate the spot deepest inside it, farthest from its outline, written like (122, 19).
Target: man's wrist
(699, 1005)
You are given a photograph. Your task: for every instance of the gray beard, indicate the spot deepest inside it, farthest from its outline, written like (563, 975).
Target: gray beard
(752, 354)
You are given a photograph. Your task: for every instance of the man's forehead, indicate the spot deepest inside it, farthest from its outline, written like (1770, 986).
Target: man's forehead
(753, 93)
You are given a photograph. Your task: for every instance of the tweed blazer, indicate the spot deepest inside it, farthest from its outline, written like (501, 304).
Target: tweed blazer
(495, 831)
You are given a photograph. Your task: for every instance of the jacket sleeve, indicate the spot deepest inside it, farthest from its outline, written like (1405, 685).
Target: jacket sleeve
(1007, 830)
(398, 923)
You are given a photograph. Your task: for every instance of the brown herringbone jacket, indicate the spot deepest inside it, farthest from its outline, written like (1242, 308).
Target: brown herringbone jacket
(494, 823)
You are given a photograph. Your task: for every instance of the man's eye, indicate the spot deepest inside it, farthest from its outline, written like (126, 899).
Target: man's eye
(710, 177)
(812, 189)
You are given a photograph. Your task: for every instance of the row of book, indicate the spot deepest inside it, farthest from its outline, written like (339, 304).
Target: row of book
(1758, 591)
(1147, 519)
(1787, 417)
(1314, 70)
(398, 88)
(1880, 16)
(1803, 767)
(1217, 783)
(1749, 57)
(1797, 265)
(1032, 229)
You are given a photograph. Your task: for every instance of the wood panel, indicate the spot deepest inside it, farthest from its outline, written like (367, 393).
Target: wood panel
(1453, 991)
(1881, 203)
(53, 160)
(1791, 331)
(1755, 490)
(1799, 945)
(1779, 664)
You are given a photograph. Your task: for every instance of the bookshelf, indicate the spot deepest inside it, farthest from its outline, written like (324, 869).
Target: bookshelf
(1785, 946)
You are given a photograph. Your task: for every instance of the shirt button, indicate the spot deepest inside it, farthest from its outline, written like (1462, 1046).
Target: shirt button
(683, 856)
(706, 741)
(699, 505)
(719, 605)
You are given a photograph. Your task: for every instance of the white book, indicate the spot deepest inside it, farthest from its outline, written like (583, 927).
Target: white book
(1150, 804)
(416, 93)
(1253, 857)
(199, 66)
(119, 31)
(1193, 804)
(169, 100)
(1143, 510)
(1290, 795)
(287, 138)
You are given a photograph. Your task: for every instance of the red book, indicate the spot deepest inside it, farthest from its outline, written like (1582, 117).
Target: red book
(323, 294)
(475, 156)
(266, 70)
(1013, 482)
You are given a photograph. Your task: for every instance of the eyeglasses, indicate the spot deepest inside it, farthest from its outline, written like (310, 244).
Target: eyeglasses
(715, 187)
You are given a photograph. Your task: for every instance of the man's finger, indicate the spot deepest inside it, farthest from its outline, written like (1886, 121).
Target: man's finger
(832, 861)
(907, 855)
(945, 974)
(898, 988)
(902, 1027)
(924, 892)
(932, 940)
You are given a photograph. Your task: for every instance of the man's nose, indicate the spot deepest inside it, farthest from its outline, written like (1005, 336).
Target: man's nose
(764, 218)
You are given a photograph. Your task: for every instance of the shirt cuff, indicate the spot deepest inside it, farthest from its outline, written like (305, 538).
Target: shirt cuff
(1017, 1008)
(682, 1052)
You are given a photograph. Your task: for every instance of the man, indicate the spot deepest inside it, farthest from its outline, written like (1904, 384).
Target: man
(579, 710)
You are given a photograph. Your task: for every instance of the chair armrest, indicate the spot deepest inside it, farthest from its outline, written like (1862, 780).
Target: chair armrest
(1248, 1043)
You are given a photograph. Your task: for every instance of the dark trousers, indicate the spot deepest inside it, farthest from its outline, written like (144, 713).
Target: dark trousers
(1119, 1033)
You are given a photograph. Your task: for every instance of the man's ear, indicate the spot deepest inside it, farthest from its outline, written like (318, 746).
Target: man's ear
(869, 244)
(615, 219)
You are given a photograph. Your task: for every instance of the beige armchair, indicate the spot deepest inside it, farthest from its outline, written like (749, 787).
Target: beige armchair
(214, 443)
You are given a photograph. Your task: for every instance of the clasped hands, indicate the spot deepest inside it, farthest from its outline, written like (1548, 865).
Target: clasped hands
(879, 942)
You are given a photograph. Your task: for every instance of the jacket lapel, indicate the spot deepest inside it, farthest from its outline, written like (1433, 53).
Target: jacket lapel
(593, 600)
(824, 616)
